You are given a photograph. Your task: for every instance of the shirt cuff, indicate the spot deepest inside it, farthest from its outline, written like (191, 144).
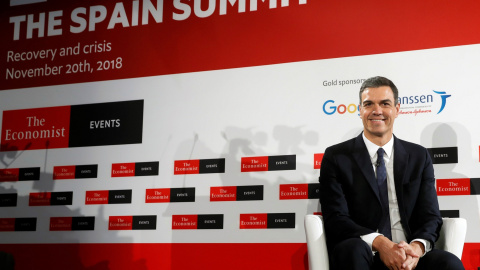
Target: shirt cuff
(368, 238)
(426, 245)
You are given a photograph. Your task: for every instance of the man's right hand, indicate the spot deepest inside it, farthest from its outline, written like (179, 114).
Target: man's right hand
(391, 254)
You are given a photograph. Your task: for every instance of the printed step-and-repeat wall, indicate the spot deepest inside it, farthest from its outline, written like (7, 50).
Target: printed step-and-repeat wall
(151, 134)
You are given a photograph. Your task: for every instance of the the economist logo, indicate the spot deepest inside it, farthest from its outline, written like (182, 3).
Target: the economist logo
(7, 224)
(20, 174)
(199, 166)
(168, 195)
(236, 193)
(72, 223)
(98, 124)
(157, 195)
(254, 164)
(18, 224)
(108, 196)
(9, 175)
(197, 222)
(268, 163)
(36, 128)
(135, 169)
(253, 221)
(75, 172)
(132, 223)
(60, 223)
(223, 194)
(299, 191)
(267, 221)
(184, 222)
(50, 198)
(448, 187)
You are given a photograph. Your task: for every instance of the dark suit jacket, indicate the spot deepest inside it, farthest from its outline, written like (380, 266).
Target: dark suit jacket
(349, 192)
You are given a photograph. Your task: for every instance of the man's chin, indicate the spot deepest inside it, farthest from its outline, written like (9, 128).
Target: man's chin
(378, 133)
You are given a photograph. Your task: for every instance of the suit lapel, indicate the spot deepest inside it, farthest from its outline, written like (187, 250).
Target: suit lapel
(361, 156)
(400, 164)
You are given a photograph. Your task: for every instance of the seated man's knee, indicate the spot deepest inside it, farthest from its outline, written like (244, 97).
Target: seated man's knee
(440, 259)
(353, 250)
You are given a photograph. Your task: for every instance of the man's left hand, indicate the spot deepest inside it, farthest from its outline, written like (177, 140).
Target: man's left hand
(413, 252)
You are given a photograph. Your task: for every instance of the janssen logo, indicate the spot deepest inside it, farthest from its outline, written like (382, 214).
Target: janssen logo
(409, 105)
(421, 104)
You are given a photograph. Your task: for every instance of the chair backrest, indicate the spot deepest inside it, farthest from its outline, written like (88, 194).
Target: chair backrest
(452, 238)
(316, 243)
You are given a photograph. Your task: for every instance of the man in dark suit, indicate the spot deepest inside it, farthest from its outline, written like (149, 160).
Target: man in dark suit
(377, 194)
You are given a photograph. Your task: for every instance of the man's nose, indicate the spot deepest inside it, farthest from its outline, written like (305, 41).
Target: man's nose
(377, 109)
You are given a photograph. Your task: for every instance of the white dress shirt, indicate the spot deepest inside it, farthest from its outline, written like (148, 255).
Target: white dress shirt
(397, 230)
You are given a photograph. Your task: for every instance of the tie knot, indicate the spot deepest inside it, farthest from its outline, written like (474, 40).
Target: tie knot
(380, 152)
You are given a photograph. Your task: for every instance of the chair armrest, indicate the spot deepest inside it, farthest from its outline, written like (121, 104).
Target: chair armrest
(316, 243)
(452, 236)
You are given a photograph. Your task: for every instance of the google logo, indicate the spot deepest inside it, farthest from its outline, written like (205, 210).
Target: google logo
(341, 109)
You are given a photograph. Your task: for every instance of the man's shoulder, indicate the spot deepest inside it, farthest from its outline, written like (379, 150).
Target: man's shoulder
(342, 146)
(409, 145)
(412, 149)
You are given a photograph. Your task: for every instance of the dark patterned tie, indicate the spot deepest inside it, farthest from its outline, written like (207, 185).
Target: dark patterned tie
(384, 227)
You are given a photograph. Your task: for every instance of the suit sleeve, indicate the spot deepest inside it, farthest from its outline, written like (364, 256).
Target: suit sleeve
(426, 220)
(339, 224)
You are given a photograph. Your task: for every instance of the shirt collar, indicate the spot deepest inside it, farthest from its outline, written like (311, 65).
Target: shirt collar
(372, 148)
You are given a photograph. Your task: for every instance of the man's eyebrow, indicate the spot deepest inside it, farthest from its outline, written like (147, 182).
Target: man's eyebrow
(381, 101)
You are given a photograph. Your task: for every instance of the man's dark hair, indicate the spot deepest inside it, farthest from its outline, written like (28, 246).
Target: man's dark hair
(376, 82)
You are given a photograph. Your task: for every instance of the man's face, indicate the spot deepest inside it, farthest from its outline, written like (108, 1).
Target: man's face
(378, 112)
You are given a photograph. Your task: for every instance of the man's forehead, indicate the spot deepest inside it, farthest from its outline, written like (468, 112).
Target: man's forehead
(387, 95)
